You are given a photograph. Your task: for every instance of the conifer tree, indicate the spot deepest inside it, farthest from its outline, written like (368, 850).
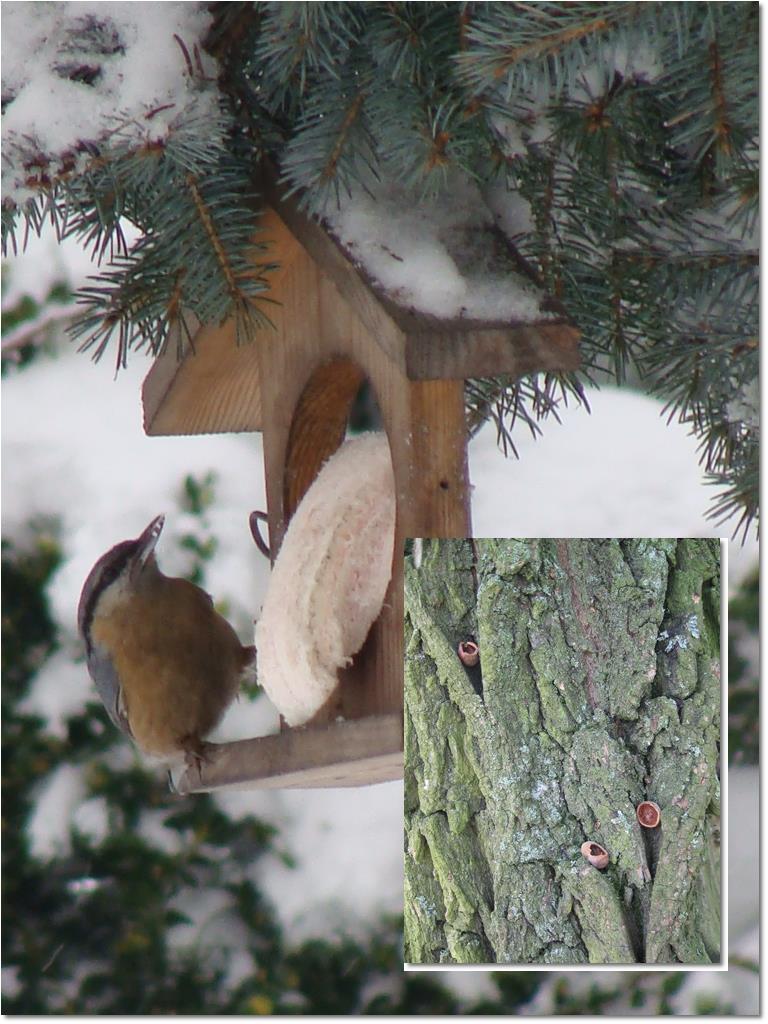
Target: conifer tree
(629, 130)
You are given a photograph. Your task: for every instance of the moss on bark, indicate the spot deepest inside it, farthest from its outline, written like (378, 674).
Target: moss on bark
(598, 687)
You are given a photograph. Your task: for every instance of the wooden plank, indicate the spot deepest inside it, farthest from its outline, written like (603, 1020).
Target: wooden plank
(213, 389)
(355, 753)
(492, 351)
(435, 493)
(158, 385)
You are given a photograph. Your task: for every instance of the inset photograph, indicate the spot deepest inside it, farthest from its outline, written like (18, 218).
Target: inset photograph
(562, 752)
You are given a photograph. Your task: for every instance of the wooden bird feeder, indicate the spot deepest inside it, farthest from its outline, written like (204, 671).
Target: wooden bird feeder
(296, 384)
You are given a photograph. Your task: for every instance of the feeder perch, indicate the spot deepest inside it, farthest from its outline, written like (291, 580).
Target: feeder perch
(336, 328)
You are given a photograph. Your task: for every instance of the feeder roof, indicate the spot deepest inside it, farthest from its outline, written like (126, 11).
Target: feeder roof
(441, 292)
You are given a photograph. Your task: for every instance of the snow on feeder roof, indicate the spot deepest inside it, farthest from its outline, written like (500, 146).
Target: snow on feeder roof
(444, 257)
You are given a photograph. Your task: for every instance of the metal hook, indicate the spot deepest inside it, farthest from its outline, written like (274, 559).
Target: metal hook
(253, 521)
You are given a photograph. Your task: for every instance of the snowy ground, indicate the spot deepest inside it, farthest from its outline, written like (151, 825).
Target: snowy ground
(73, 445)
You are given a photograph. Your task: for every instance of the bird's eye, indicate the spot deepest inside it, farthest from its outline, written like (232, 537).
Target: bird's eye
(111, 572)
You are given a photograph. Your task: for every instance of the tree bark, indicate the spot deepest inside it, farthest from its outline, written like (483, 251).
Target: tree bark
(598, 687)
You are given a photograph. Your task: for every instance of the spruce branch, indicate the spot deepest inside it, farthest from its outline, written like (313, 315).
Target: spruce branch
(506, 44)
(628, 132)
(165, 187)
(299, 44)
(335, 147)
(215, 241)
(530, 400)
(350, 117)
(711, 89)
(721, 128)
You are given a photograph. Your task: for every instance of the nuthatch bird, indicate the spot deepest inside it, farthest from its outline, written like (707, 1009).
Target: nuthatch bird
(165, 663)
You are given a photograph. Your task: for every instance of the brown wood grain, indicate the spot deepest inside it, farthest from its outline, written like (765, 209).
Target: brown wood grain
(355, 753)
(463, 352)
(319, 425)
(214, 389)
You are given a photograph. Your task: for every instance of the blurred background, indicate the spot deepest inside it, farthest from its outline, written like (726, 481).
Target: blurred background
(122, 898)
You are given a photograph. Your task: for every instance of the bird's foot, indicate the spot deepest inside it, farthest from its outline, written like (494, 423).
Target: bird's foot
(196, 753)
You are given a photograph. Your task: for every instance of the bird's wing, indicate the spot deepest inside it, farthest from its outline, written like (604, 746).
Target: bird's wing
(108, 686)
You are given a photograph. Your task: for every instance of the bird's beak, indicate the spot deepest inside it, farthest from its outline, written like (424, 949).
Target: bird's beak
(149, 538)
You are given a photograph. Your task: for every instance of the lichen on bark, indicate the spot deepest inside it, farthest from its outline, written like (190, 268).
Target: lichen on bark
(598, 687)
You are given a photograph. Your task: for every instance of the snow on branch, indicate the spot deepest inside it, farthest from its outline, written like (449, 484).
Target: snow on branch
(71, 71)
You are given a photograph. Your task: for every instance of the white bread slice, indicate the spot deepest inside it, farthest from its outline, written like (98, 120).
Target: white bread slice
(329, 579)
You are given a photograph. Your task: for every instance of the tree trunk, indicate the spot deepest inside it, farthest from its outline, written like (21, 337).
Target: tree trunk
(598, 687)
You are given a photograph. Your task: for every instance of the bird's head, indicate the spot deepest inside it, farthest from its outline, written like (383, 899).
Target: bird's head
(118, 574)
